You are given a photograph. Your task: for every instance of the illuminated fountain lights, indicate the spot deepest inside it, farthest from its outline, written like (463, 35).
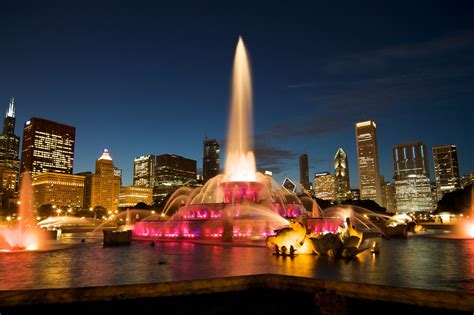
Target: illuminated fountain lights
(241, 203)
(460, 227)
(24, 234)
(465, 228)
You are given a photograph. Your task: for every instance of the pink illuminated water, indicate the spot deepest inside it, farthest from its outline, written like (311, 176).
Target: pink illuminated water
(241, 203)
(23, 235)
(469, 224)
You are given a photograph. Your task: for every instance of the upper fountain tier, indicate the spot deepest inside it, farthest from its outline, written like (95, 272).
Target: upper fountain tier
(240, 160)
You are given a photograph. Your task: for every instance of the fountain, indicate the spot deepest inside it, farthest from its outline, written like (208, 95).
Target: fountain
(241, 203)
(464, 226)
(24, 235)
(468, 223)
(128, 226)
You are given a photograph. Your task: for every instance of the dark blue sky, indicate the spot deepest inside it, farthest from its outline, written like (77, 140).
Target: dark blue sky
(141, 77)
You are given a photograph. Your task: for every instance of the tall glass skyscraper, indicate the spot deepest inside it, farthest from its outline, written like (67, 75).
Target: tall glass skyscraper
(171, 172)
(210, 159)
(143, 171)
(341, 176)
(445, 159)
(411, 174)
(9, 153)
(304, 171)
(368, 161)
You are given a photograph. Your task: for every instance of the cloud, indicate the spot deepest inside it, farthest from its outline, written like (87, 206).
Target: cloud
(442, 45)
(365, 84)
(272, 158)
(367, 61)
(302, 85)
(303, 128)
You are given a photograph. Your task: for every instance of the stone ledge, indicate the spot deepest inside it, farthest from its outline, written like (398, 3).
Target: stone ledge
(447, 300)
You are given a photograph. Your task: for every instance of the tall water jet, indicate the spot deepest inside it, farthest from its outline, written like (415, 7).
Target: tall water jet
(240, 160)
(239, 204)
(24, 235)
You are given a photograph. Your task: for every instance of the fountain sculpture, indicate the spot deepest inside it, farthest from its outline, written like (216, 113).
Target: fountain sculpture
(241, 203)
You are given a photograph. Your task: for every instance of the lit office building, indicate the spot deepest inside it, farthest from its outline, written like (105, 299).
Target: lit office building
(211, 159)
(355, 194)
(64, 191)
(47, 146)
(102, 188)
(324, 186)
(467, 180)
(446, 168)
(341, 175)
(388, 197)
(143, 171)
(130, 196)
(304, 171)
(8, 180)
(368, 161)
(171, 172)
(413, 193)
(9, 153)
(411, 176)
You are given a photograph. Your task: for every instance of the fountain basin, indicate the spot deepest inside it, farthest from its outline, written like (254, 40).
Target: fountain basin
(114, 238)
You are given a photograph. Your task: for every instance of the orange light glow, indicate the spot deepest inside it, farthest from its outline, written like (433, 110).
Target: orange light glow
(469, 228)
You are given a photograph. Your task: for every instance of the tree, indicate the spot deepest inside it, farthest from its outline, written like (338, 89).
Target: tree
(142, 206)
(46, 210)
(100, 212)
(458, 201)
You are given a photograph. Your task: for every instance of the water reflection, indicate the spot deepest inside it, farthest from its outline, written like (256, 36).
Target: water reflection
(417, 262)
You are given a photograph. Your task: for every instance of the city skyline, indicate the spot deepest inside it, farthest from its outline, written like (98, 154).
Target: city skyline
(415, 107)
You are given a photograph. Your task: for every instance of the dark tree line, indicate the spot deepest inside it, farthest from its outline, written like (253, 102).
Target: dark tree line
(458, 201)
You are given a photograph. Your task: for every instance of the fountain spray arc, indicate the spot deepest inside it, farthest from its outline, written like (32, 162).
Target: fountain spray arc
(24, 235)
(241, 203)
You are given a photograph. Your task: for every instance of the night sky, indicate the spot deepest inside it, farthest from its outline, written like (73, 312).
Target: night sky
(153, 77)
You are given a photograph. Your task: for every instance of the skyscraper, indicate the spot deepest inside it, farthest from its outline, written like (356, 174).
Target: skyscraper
(47, 146)
(368, 161)
(211, 159)
(9, 153)
(304, 171)
(341, 175)
(446, 168)
(467, 179)
(388, 197)
(102, 189)
(324, 186)
(171, 172)
(411, 174)
(143, 171)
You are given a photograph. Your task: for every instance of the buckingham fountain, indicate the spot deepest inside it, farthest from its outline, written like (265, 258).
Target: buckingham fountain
(241, 203)
(424, 273)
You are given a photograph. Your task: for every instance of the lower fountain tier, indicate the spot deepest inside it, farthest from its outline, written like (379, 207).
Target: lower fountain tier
(254, 229)
(219, 210)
